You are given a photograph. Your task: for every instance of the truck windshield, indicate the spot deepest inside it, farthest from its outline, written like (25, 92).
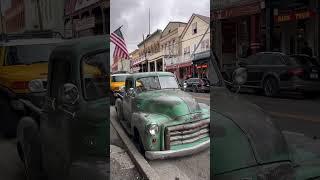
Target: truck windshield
(168, 82)
(94, 74)
(26, 54)
(156, 83)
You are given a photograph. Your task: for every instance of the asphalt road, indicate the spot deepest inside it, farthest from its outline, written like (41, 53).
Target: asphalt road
(201, 97)
(291, 112)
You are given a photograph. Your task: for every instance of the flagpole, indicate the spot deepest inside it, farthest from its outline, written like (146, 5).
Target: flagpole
(149, 21)
(144, 50)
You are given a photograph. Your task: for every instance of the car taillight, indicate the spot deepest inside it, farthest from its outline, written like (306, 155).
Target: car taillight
(19, 85)
(296, 72)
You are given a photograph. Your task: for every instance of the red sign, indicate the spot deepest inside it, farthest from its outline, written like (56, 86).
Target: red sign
(243, 10)
(202, 66)
(294, 16)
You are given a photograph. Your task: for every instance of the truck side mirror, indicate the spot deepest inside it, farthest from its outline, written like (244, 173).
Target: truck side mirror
(70, 94)
(240, 76)
(131, 92)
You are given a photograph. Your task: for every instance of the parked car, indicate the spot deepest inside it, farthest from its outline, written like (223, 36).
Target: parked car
(164, 120)
(117, 82)
(197, 85)
(21, 60)
(70, 130)
(245, 144)
(273, 72)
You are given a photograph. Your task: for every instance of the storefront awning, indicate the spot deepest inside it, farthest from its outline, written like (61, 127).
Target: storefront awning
(201, 56)
(237, 11)
(181, 65)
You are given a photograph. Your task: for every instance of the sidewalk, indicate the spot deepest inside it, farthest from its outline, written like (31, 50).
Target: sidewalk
(121, 166)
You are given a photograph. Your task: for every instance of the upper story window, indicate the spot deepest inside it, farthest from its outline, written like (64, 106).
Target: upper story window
(186, 50)
(194, 28)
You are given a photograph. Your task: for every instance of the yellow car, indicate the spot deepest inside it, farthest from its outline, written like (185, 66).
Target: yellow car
(117, 81)
(21, 60)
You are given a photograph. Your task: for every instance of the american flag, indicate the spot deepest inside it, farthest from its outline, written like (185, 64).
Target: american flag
(120, 50)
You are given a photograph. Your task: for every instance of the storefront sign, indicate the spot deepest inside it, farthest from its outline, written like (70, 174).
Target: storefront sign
(84, 3)
(202, 66)
(294, 16)
(243, 10)
(85, 23)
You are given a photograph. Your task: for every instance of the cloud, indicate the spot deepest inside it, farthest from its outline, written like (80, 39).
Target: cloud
(133, 16)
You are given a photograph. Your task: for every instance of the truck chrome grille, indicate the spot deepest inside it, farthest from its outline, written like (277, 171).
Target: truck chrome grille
(186, 133)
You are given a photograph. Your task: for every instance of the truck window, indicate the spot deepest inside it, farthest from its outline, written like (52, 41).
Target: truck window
(129, 83)
(60, 76)
(94, 76)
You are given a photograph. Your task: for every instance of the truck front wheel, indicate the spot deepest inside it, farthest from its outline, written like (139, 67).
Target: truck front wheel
(9, 118)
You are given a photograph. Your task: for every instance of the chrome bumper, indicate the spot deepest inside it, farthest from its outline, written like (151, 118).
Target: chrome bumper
(151, 155)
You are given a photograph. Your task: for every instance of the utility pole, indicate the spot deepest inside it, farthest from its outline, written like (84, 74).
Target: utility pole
(269, 24)
(144, 50)
(149, 21)
(2, 20)
(39, 16)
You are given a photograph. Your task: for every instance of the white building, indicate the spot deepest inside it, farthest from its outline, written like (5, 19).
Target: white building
(195, 44)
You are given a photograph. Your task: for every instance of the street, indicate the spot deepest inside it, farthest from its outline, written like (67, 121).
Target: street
(291, 112)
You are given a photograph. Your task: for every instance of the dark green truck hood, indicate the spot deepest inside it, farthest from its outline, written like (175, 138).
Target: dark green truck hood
(169, 102)
(266, 140)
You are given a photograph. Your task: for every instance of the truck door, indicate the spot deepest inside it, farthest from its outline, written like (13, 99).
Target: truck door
(127, 99)
(91, 130)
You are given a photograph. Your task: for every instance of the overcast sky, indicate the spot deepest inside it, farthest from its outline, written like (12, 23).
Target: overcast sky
(133, 15)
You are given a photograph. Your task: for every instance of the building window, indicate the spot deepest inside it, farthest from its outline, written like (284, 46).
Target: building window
(186, 50)
(194, 28)
(207, 44)
(203, 45)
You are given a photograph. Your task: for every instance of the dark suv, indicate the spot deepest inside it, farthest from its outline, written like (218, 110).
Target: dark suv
(273, 71)
(197, 85)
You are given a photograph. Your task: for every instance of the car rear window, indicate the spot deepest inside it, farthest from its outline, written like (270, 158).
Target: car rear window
(304, 61)
(118, 78)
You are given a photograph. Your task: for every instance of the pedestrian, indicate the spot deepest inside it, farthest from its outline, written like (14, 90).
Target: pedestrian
(306, 49)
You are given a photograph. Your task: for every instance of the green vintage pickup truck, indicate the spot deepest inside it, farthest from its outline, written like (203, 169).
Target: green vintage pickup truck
(68, 135)
(164, 120)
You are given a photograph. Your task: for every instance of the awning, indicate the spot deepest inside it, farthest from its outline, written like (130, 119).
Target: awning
(181, 65)
(236, 11)
(171, 67)
(201, 56)
(186, 64)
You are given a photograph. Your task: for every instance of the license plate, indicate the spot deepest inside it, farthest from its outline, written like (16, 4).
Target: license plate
(314, 76)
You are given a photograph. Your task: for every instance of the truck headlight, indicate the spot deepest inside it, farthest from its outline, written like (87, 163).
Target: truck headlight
(36, 86)
(153, 129)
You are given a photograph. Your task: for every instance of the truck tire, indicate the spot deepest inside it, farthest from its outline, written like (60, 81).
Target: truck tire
(29, 148)
(9, 118)
(119, 110)
(138, 140)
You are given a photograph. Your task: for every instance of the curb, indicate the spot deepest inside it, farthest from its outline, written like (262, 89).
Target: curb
(143, 166)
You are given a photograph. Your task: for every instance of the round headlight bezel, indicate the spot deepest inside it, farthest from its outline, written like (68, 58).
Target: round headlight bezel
(153, 129)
